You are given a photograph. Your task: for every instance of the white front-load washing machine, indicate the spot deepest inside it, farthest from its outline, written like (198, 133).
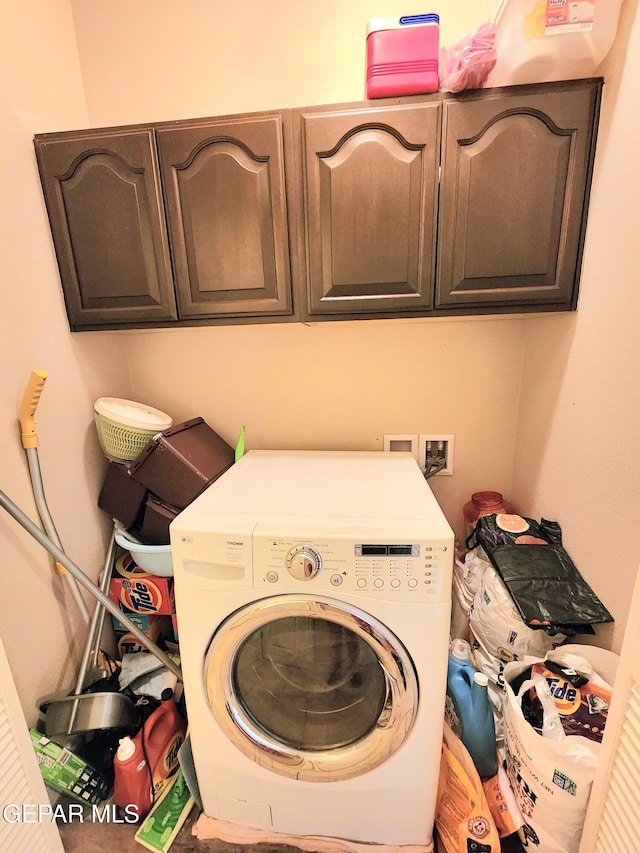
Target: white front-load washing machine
(313, 597)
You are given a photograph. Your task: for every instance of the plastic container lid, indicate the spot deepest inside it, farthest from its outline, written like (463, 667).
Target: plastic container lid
(461, 650)
(403, 22)
(132, 414)
(481, 679)
(126, 749)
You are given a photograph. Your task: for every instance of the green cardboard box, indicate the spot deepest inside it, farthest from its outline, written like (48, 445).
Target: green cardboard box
(67, 773)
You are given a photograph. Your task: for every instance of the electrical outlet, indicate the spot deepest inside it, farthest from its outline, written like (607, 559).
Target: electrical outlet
(407, 443)
(434, 450)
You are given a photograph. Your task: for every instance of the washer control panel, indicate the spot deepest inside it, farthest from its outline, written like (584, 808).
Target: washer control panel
(401, 570)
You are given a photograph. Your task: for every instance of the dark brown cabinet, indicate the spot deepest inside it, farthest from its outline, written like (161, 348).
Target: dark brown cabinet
(424, 206)
(513, 195)
(172, 222)
(106, 213)
(370, 190)
(227, 215)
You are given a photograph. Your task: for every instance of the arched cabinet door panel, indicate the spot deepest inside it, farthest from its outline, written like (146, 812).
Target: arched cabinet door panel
(227, 215)
(369, 187)
(516, 172)
(104, 199)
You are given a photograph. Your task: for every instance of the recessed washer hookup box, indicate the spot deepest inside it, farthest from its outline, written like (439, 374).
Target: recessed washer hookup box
(402, 55)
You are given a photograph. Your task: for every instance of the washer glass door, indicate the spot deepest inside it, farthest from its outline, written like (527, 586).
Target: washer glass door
(310, 687)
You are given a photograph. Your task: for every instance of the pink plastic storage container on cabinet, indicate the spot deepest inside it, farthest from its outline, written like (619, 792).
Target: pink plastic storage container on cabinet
(402, 55)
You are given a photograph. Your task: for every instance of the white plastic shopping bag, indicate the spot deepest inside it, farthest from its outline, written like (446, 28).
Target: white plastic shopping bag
(551, 779)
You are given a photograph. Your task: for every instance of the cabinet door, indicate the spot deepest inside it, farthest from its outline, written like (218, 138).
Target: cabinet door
(226, 208)
(103, 196)
(516, 170)
(369, 200)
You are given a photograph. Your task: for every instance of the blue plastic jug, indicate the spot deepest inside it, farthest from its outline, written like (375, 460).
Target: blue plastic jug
(475, 726)
(459, 658)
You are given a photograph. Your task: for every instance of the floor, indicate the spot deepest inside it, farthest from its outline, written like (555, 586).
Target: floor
(90, 837)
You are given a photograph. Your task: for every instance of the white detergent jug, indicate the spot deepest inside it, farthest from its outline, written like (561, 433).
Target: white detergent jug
(538, 41)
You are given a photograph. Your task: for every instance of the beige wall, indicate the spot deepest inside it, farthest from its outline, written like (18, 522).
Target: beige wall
(155, 59)
(579, 432)
(344, 385)
(526, 398)
(41, 89)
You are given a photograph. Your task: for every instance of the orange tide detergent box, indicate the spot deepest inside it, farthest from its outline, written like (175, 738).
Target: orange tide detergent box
(153, 625)
(583, 710)
(134, 589)
(160, 628)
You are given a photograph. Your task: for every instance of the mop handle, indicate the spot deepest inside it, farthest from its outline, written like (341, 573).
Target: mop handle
(30, 400)
(26, 416)
(80, 576)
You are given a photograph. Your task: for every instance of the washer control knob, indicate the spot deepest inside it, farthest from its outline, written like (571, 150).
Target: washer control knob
(303, 562)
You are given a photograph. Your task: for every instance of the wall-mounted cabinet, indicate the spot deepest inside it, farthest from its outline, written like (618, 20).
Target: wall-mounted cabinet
(226, 207)
(421, 206)
(516, 170)
(369, 207)
(176, 221)
(106, 212)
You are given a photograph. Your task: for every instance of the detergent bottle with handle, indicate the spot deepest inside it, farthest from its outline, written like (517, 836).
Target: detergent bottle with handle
(162, 736)
(469, 710)
(145, 763)
(459, 658)
(133, 780)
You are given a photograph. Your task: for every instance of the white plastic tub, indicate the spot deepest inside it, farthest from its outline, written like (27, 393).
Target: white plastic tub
(155, 559)
(542, 40)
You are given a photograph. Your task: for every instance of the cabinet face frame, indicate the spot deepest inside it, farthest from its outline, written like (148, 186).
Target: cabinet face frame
(125, 233)
(368, 190)
(494, 147)
(224, 185)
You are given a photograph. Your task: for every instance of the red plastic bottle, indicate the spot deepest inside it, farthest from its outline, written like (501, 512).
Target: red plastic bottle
(483, 503)
(133, 780)
(144, 763)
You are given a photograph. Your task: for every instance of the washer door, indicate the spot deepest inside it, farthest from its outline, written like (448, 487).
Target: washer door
(310, 687)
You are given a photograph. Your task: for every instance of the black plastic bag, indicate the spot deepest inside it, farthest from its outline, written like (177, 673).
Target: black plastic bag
(544, 583)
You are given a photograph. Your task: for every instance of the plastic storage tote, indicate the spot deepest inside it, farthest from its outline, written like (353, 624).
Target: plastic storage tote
(402, 55)
(179, 463)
